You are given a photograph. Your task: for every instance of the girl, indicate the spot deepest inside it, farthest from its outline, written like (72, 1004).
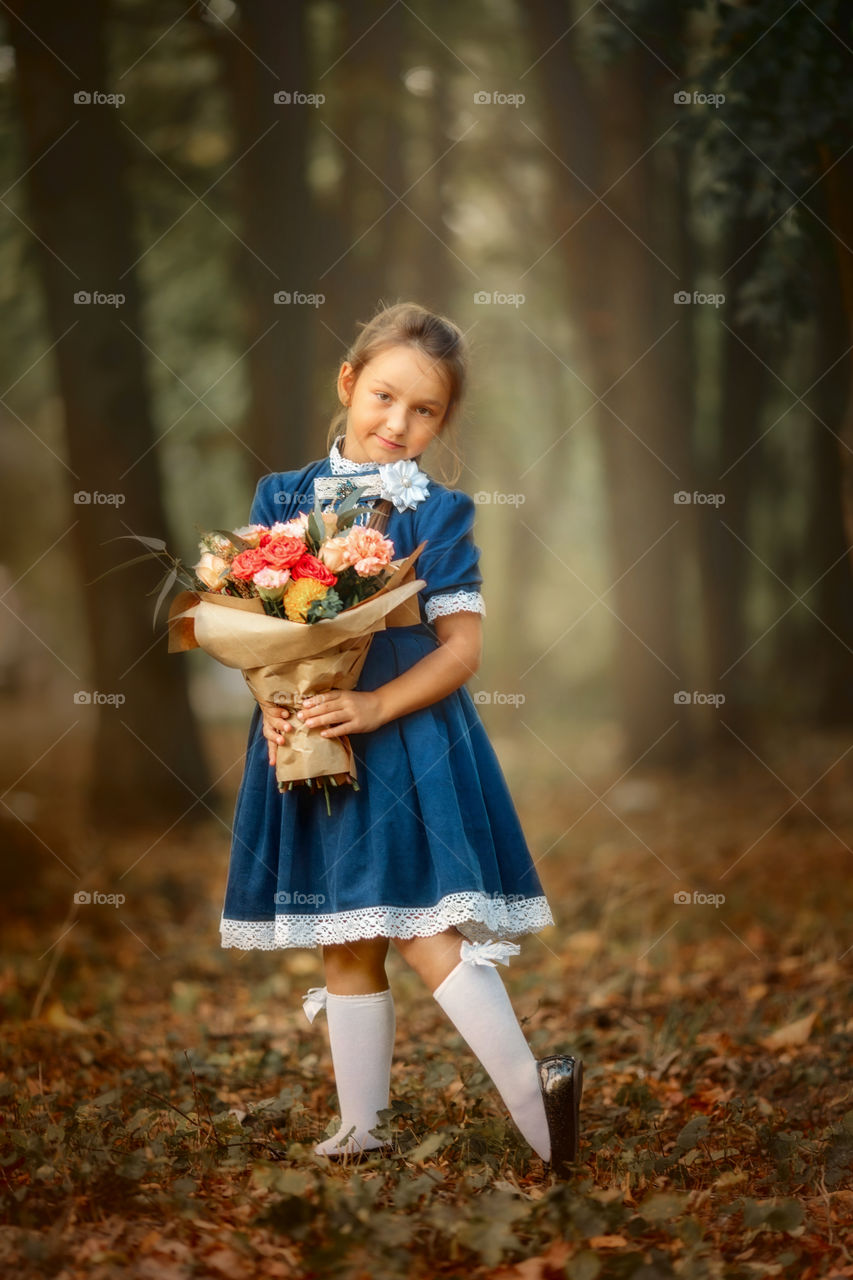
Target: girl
(428, 852)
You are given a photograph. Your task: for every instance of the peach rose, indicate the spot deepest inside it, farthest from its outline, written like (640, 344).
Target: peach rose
(209, 569)
(334, 554)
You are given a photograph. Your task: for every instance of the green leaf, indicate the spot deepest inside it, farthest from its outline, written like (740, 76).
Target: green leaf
(155, 544)
(149, 555)
(663, 1206)
(328, 607)
(349, 502)
(432, 1142)
(234, 538)
(316, 530)
(583, 1266)
(692, 1134)
(168, 583)
(784, 1215)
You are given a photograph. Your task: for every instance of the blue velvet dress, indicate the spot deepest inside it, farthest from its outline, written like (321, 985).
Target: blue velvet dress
(431, 838)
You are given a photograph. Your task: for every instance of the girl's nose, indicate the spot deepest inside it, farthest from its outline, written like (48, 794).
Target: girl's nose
(396, 422)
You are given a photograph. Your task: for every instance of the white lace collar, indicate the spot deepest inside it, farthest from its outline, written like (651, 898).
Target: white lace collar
(343, 466)
(402, 483)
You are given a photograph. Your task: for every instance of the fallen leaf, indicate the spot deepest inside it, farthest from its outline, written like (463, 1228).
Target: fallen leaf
(791, 1035)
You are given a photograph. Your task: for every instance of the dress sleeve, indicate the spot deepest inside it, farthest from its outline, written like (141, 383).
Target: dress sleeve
(262, 503)
(280, 496)
(450, 562)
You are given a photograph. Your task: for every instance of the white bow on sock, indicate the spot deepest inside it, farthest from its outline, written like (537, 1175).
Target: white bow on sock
(475, 999)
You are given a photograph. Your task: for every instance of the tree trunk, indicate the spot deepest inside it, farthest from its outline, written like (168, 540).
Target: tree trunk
(829, 559)
(277, 268)
(147, 758)
(732, 467)
(618, 293)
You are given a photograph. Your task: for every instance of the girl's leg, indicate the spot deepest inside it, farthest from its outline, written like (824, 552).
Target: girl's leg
(360, 1013)
(475, 999)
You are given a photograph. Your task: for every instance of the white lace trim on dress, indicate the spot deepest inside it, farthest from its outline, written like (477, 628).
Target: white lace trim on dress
(479, 916)
(439, 606)
(342, 466)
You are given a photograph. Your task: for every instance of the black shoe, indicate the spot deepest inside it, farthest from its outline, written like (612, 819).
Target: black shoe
(561, 1082)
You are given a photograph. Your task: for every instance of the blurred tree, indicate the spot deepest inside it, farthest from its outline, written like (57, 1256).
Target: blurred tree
(782, 182)
(622, 270)
(264, 49)
(771, 175)
(147, 754)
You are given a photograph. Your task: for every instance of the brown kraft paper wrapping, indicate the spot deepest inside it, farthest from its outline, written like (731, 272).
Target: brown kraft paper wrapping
(284, 662)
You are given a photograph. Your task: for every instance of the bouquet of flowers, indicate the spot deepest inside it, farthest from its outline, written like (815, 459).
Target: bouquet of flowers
(295, 606)
(306, 569)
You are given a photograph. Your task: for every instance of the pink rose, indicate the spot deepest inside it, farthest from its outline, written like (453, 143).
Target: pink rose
(271, 582)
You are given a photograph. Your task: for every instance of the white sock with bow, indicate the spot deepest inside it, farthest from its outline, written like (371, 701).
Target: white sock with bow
(475, 999)
(361, 1036)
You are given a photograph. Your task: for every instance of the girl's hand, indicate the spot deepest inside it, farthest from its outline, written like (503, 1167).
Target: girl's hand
(340, 711)
(275, 726)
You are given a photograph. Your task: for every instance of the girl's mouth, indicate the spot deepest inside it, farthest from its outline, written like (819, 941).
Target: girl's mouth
(389, 444)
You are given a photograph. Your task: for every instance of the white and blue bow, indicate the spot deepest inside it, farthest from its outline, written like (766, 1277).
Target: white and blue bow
(404, 484)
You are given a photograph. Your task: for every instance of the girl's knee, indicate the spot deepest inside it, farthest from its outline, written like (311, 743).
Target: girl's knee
(431, 957)
(361, 963)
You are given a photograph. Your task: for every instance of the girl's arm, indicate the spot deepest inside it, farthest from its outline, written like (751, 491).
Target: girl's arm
(437, 674)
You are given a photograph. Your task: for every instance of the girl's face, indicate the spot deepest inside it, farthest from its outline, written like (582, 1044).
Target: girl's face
(397, 405)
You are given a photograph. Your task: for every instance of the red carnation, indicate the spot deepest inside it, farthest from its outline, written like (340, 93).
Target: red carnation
(310, 567)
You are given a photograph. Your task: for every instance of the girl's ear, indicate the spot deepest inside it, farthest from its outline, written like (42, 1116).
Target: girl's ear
(346, 381)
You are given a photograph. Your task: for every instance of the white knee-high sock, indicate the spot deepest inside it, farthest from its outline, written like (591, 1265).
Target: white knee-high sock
(361, 1036)
(475, 999)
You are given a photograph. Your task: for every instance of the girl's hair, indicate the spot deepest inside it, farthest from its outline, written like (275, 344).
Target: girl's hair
(439, 339)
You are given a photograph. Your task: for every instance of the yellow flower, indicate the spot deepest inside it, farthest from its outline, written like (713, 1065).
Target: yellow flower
(300, 594)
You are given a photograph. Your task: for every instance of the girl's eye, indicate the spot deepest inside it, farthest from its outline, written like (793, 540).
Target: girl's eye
(382, 393)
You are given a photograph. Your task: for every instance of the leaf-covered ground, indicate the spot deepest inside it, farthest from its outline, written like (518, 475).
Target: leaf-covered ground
(159, 1097)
